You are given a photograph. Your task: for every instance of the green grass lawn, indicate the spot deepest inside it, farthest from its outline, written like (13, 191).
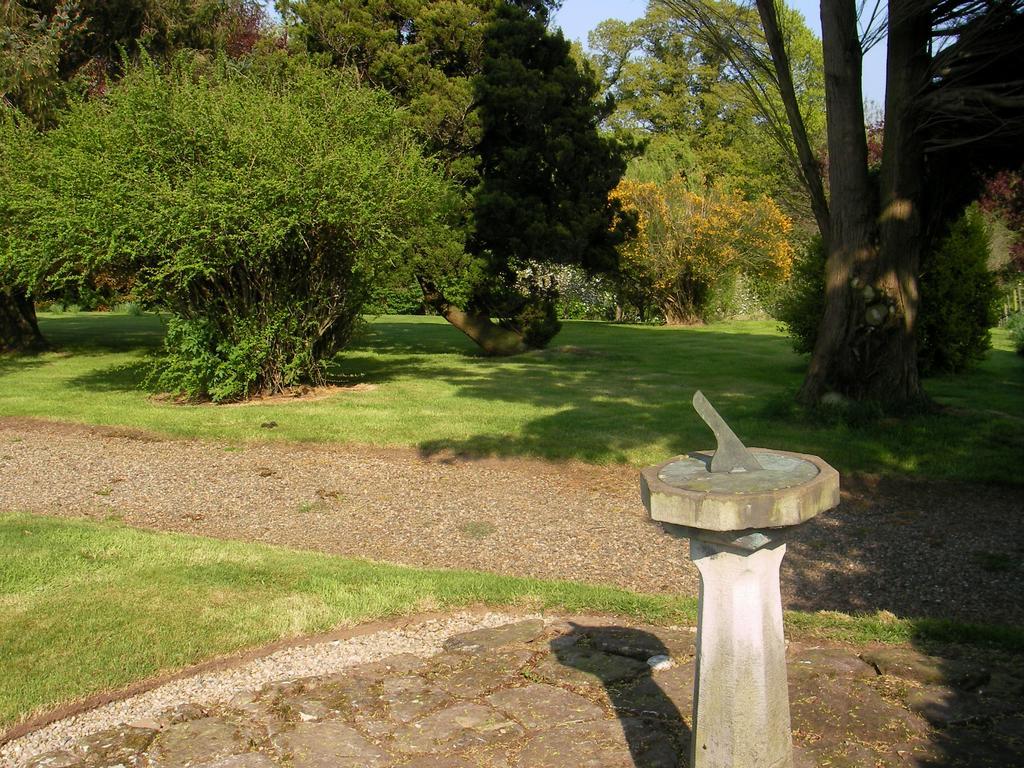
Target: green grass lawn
(604, 393)
(87, 607)
(93, 606)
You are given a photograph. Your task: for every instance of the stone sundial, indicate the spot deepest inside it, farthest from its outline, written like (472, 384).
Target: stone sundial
(735, 505)
(735, 488)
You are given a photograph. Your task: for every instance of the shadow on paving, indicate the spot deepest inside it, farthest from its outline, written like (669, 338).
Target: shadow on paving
(655, 730)
(891, 706)
(873, 707)
(561, 694)
(971, 698)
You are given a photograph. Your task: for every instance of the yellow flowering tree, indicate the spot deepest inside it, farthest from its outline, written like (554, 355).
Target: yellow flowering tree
(689, 244)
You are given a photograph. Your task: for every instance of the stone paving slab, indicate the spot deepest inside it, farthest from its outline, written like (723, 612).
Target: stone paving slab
(532, 694)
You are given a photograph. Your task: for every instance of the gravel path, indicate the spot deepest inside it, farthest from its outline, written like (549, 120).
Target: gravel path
(424, 639)
(910, 547)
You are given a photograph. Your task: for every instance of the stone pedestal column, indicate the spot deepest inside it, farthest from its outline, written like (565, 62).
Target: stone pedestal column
(740, 698)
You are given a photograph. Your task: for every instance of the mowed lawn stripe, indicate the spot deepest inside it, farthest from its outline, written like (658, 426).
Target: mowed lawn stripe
(604, 393)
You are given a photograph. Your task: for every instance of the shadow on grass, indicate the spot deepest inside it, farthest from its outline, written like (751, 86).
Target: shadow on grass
(102, 331)
(124, 377)
(419, 337)
(606, 408)
(361, 368)
(612, 393)
(17, 362)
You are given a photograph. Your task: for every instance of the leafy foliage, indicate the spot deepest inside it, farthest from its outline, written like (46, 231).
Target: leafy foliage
(256, 201)
(31, 46)
(691, 245)
(1015, 324)
(51, 50)
(958, 297)
(675, 91)
(1004, 197)
(425, 53)
(513, 118)
(581, 296)
(801, 304)
(545, 170)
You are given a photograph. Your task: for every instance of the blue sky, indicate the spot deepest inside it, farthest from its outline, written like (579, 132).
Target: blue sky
(578, 17)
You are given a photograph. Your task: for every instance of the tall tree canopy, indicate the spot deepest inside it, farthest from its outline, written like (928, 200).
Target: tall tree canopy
(954, 106)
(51, 50)
(425, 53)
(689, 245)
(499, 97)
(673, 87)
(30, 50)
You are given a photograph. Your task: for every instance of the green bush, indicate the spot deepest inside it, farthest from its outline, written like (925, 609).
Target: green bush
(580, 296)
(958, 298)
(395, 297)
(130, 308)
(801, 304)
(256, 201)
(1015, 325)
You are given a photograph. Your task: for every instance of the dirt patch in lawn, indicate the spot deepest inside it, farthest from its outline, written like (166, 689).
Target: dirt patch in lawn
(912, 547)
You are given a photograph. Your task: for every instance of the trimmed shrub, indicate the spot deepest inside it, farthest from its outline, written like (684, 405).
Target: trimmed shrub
(256, 201)
(958, 299)
(801, 305)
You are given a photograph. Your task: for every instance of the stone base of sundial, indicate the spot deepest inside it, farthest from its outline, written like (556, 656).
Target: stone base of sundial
(741, 699)
(735, 506)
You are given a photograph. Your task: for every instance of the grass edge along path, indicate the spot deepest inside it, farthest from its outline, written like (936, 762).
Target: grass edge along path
(88, 607)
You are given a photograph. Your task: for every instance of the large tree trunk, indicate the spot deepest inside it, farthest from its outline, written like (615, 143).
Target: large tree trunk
(861, 351)
(675, 316)
(19, 331)
(493, 339)
(901, 220)
(680, 311)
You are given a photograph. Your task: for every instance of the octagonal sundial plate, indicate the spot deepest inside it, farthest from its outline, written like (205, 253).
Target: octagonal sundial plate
(789, 489)
(778, 471)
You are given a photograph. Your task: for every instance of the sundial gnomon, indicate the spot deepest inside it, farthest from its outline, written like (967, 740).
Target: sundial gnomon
(734, 468)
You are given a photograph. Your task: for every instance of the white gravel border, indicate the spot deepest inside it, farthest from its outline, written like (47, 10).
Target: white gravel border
(424, 640)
